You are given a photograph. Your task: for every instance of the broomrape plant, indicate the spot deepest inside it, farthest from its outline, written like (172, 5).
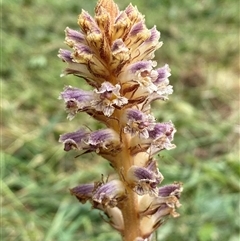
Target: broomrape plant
(113, 53)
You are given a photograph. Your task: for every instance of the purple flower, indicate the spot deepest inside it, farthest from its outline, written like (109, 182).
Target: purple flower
(82, 54)
(136, 29)
(65, 55)
(83, 192)
(109, 194)
(76, 100)
(161, 136)
(102, 140)
(136, 36)
(161, 129)
(74, 140)
(170, 190)
(168, 194)
(141, 73)
(78, 69)
(154, 209)
(163, 74)
(107, 98)
(144, 180)
(138, 123)
(148, 47)
(73, 36)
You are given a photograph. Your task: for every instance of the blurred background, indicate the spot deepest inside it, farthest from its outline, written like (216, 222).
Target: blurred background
(201, 45)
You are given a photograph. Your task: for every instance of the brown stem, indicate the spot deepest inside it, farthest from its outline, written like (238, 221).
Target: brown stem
(130, 207)
(130, 217)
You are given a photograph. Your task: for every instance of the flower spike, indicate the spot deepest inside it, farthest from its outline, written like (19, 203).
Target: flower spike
(114, 52)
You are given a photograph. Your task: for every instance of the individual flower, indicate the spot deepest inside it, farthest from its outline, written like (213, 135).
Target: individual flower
(74, 37)
(102, 140)
(83, 192)
(78, 69)
(109, 194)
(74, 140)
(105, 197)
(107, 98)
(149, 46)
(138, 123)
(141, 73)
(161, 135)
(154, 209)
(144, 180)
(162, 83)
(76, 100)
(162, 76)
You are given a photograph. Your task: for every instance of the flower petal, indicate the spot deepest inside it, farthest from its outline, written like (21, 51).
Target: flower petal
(110, 194)
(154, 209)
(107, 98)
(145, 180)
(83, 192)
(115, 218)
(148, 47)
(102, 139)
(138, 123)
(73, 37)
(74, 140)
(76, 100)
(142, 73)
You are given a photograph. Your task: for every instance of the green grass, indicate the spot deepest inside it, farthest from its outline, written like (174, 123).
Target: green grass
(201, 45)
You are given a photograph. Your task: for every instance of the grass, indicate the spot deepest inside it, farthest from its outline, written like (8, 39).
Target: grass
(201, 45)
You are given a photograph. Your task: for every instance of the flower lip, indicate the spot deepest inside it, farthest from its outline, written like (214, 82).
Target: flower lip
(143, 74)
(119, 46)
(82, 49)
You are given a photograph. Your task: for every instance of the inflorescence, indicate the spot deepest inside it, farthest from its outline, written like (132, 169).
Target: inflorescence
(113, 53)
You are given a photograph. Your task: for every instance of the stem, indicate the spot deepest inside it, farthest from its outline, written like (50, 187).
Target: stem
(130, 217)
(130, 207)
